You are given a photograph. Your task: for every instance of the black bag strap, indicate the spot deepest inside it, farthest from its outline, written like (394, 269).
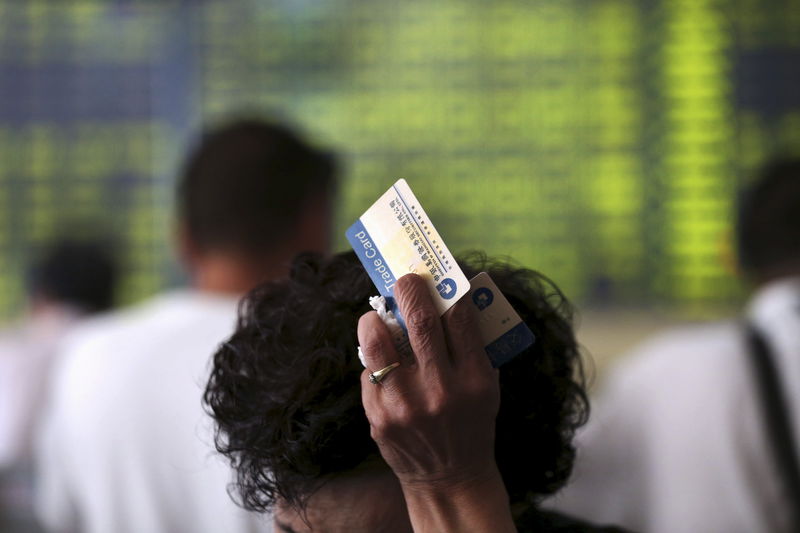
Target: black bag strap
(777, 421)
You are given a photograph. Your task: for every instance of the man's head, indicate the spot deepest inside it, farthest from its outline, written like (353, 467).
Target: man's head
(253, 192)
(77, 274)
(285, 392)
(768, 226)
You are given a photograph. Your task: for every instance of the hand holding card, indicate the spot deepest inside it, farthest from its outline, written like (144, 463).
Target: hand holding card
(395, 237)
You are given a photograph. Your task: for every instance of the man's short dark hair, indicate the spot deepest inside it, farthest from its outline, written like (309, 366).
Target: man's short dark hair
(79, 274)
(247, 183)
(285, 389)
(768, 225)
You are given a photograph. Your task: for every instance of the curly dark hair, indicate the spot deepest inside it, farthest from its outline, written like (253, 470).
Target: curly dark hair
(286, 395)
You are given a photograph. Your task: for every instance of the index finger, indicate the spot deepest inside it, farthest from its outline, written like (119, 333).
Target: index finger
(422, 321)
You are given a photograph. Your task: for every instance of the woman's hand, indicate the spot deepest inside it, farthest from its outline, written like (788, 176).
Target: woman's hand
(433, 418)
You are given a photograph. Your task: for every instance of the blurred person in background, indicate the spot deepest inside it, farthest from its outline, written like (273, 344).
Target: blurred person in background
(127, 446)
(697, 430)
(68, 281)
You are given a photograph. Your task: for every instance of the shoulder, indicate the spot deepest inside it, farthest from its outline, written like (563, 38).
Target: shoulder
(685, 378)
(11, 343)
(150, 323)
(690, 341)
(91, 346)
(681, 354)
(106, 354)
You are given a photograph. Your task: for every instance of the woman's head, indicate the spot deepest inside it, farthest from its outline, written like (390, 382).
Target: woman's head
(285, 388)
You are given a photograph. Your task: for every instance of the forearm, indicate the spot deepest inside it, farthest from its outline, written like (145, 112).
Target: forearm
(477, 506)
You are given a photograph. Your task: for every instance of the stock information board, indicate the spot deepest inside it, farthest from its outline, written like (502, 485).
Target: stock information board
(599, 141)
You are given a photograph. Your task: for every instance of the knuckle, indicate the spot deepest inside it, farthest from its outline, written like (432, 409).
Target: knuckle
(380, 425)
(373, 345)
(385, 426)
(405, 284)
(436, 408)
(377, 430)
(405, 417)
(437, 401)
(482, 390)
(421, 323)
(460, 318)
(379, 422)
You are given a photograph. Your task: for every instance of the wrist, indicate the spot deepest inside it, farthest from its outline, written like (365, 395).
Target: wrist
(450, 483)
(469, 501)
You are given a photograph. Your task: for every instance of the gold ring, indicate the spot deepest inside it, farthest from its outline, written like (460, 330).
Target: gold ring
(377, 376)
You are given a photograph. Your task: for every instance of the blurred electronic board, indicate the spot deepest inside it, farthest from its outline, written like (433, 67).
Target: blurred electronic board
(599, 141)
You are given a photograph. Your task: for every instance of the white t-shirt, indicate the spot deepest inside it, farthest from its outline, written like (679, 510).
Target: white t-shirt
(126, 445)
(677, 441)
